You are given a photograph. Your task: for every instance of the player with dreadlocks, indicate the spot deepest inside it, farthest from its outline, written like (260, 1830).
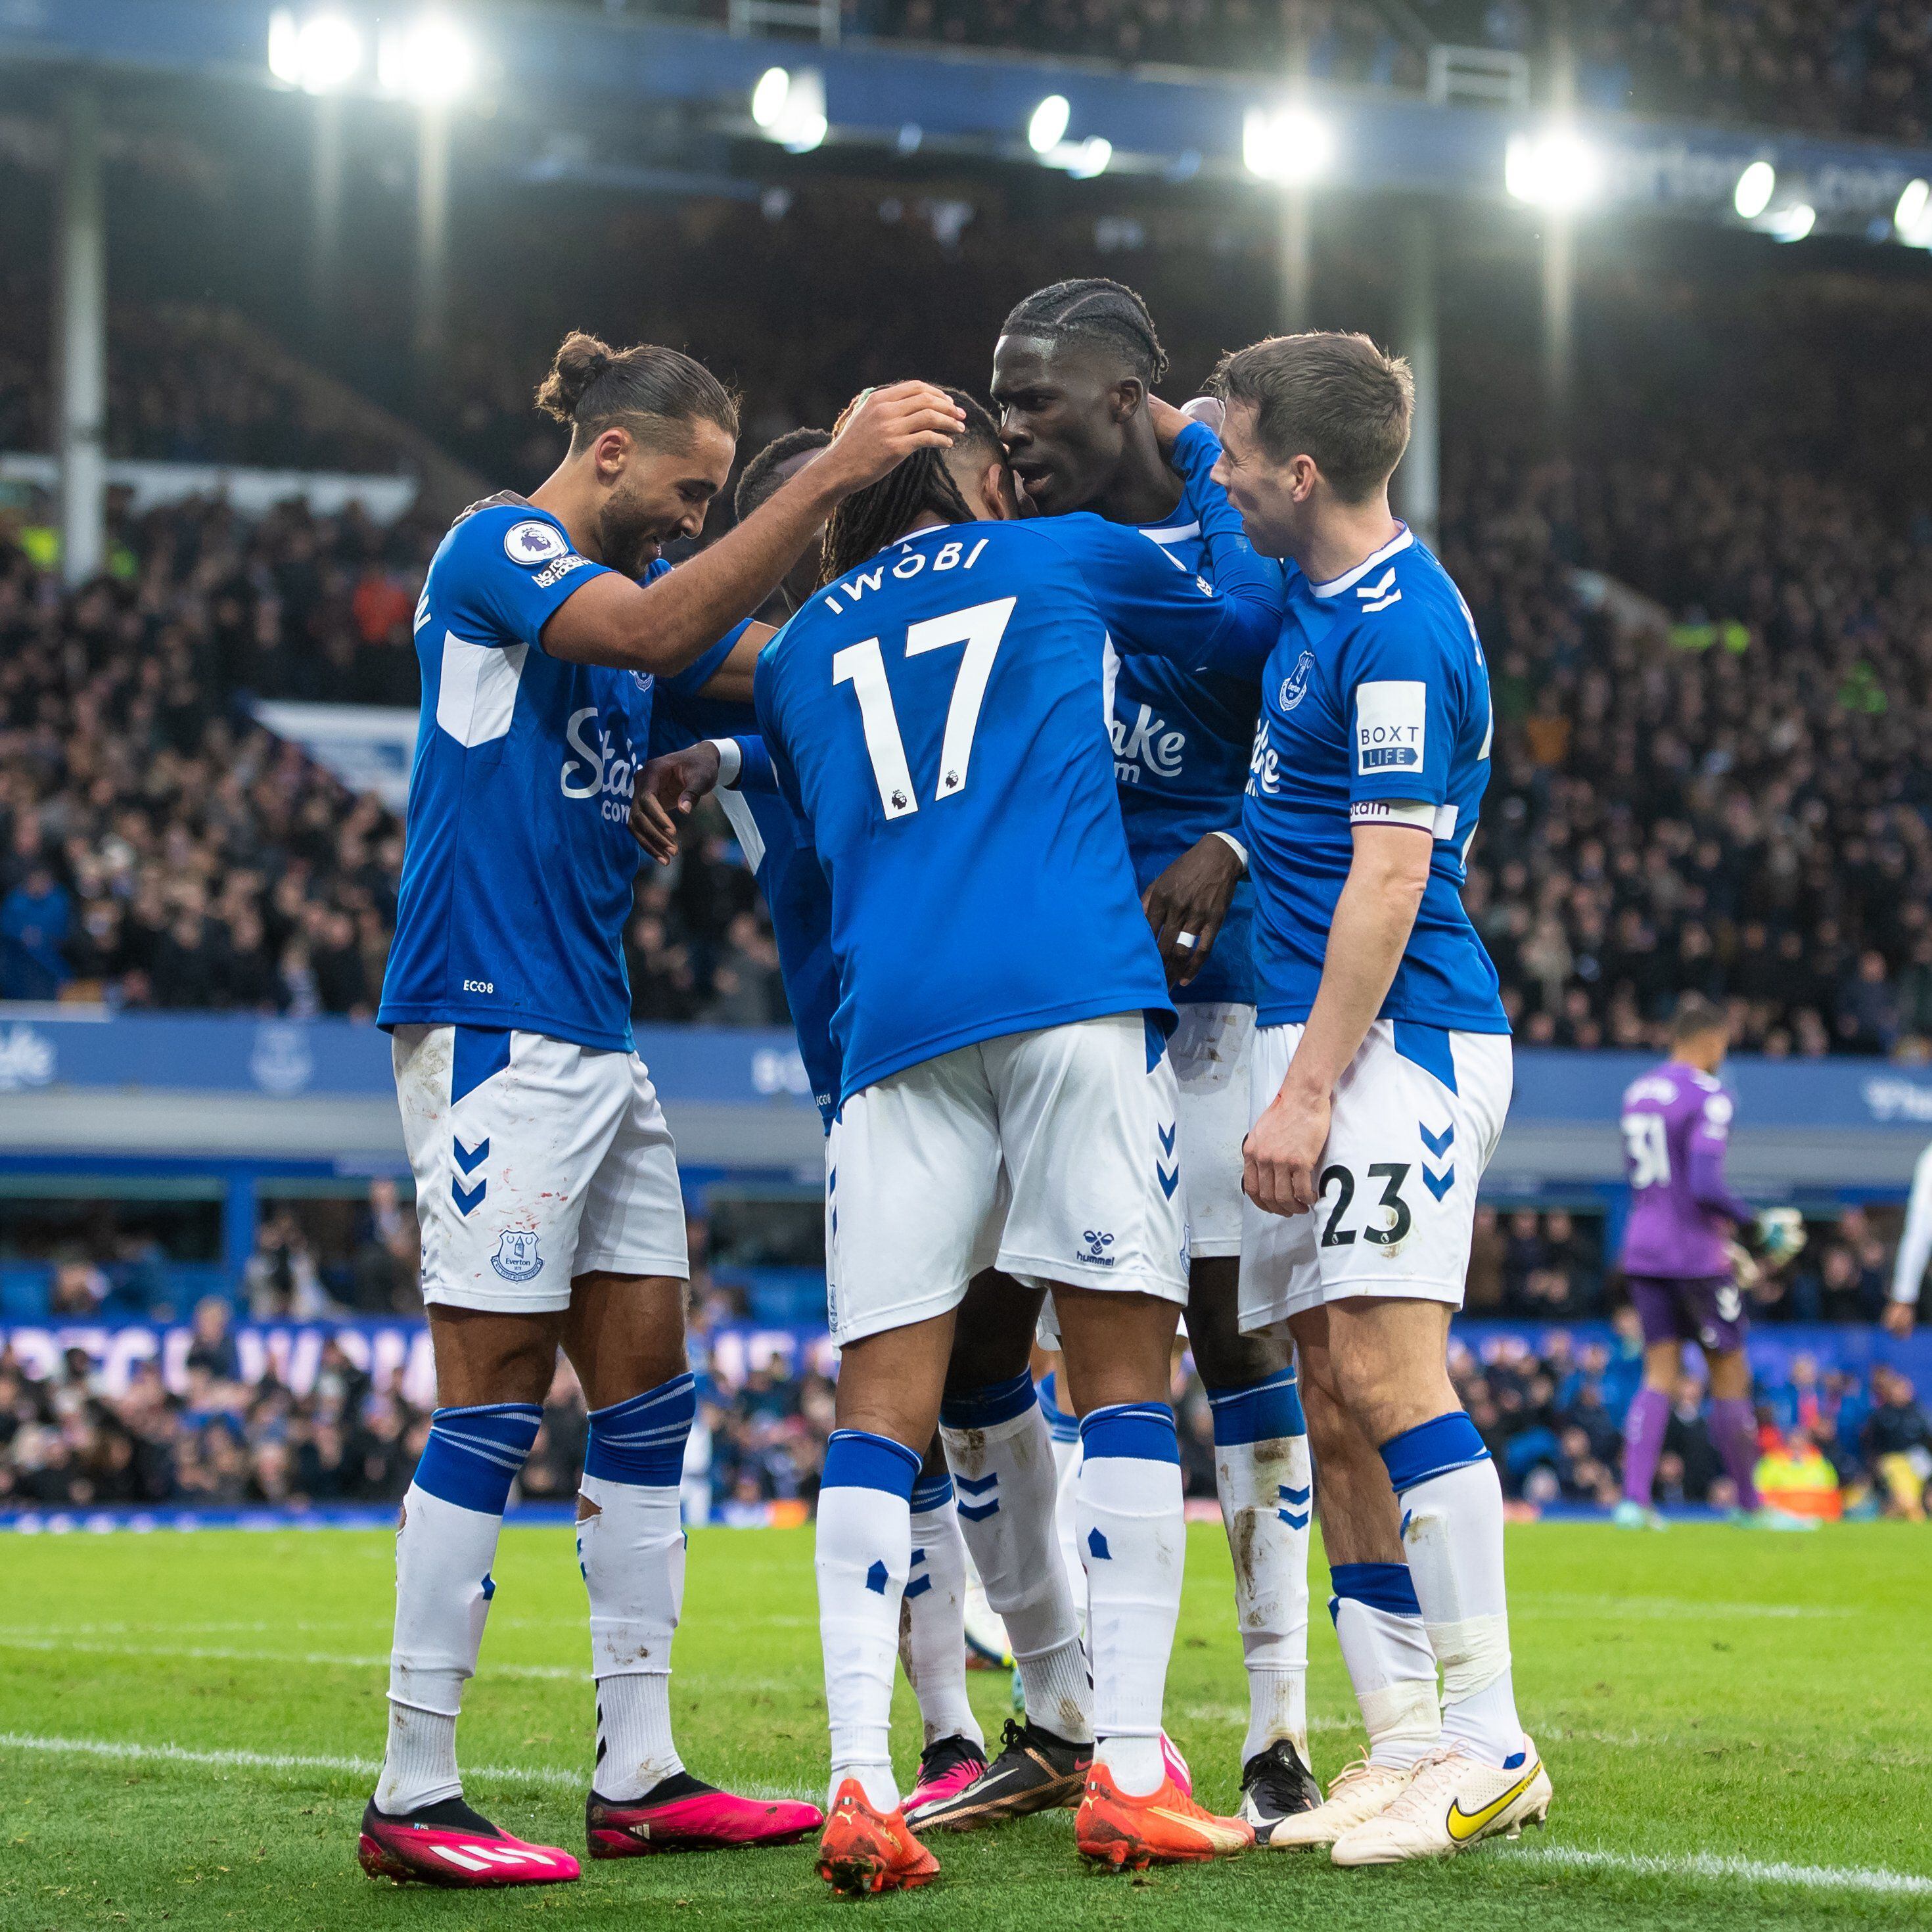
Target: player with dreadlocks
(1073, 374)
(700, 746)
(1005, 1097)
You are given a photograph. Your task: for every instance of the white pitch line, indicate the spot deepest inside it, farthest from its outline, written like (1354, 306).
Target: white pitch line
(213, 1654)
(1612, 1607)
(1753, 1871)
(116, 1751)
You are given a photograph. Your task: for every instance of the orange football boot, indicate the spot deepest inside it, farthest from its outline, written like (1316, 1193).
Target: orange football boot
(1165, 1827)
(864, 1850)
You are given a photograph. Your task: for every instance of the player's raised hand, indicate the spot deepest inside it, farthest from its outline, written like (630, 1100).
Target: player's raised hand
(666, 789)
(884, 427)
(1897, 1319)
(1187, 903)
(1169, 422)
(1282, 1152)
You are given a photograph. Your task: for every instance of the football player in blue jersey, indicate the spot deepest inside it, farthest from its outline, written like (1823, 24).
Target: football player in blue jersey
(546, 1182)
(1381, 1074)
(932, 713)
(701, 745)
(1073, 373)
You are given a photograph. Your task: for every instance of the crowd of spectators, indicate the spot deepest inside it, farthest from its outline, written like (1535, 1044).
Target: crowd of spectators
(1551, 1413)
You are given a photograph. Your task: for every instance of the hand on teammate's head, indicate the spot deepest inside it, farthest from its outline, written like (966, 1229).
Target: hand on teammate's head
(884, 426)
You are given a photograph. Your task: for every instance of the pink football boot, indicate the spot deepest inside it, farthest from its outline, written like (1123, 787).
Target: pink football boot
(449, 1844)
(680, 1814)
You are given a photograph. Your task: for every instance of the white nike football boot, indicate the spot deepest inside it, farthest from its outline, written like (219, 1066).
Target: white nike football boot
(1359, 1791)
(1452, 1801)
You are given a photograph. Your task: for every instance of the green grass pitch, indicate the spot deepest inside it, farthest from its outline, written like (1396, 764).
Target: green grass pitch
(1739, 1727)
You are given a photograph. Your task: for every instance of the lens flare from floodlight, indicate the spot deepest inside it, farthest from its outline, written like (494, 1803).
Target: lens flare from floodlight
(1911, 219)
(1286, 144)
(1557, 168)
(431, 61)
(1090, 158)
(1047, 128)
(1755, 187)
(805, 132)
(318, 55)
(1792, 223)
(768, 97)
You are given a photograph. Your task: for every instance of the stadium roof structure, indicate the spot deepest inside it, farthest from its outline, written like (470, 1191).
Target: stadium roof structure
(865, 100)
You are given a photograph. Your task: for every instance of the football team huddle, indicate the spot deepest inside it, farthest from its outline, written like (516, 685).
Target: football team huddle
(1110, 784)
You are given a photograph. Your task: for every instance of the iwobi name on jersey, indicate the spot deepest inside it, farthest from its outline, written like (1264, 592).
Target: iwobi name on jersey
(1375, 695)
(937, 718)
(518, 864)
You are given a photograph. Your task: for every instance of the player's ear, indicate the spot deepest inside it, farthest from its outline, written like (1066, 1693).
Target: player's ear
(998, 503)
(610, 453)
(1130, 397)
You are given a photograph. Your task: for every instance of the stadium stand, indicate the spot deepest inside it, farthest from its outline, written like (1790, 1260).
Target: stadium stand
(193, 1427)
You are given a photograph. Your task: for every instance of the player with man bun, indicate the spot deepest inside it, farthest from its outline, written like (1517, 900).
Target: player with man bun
(546, 1181)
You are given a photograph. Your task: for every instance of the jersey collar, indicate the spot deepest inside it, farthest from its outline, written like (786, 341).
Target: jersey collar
(1336, 586)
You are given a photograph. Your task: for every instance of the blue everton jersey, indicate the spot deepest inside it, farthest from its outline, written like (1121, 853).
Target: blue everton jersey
(518, 866)
(937, 717)
(1181, 744)
(778, 848)
(1376, 694)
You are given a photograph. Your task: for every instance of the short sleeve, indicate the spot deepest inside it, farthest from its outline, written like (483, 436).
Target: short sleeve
(1400, 696)
(767, 697)
(687, 682)
(506, 574)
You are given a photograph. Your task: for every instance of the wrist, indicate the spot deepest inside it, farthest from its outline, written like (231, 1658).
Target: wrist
(730, 757)
(1235, 846)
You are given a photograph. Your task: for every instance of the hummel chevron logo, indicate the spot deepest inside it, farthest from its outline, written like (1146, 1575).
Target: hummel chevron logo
(1438, 1185)
(1439, 1145)
(466, 1198)
(1096, 1547)
(470, 1159)
(1379, 596)
(1169, 1182)
(977, 1486)
(917, 1587)
(1167, 1134)
(1289, 1495)
(1296, 1517)
(875, 1579)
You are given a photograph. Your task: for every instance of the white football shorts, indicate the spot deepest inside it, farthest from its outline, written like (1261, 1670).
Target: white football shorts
(1073, 1130)
(536, 1160)
(1417, 1115)
(1210, 1049)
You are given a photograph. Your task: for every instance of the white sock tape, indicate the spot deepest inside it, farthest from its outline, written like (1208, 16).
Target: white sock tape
(1473, 1654)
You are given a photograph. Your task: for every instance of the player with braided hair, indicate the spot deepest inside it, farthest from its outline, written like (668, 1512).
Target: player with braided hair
(1073, 373)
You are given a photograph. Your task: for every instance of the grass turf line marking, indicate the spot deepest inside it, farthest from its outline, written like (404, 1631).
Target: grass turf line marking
(1712, 1865)
(114, 1750)
(211, 1654)
(1666, 1606)
(1703, 1865)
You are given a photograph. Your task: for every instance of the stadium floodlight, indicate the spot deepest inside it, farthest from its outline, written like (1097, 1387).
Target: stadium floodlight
(768, 97)
(1286, 144)
(1911, 219)
(1755, 187)
(430, 60)
(318, 55)
(1791, 224)
(1047, 127)
(1556, 168)
(790, 108)
(1090, 158)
